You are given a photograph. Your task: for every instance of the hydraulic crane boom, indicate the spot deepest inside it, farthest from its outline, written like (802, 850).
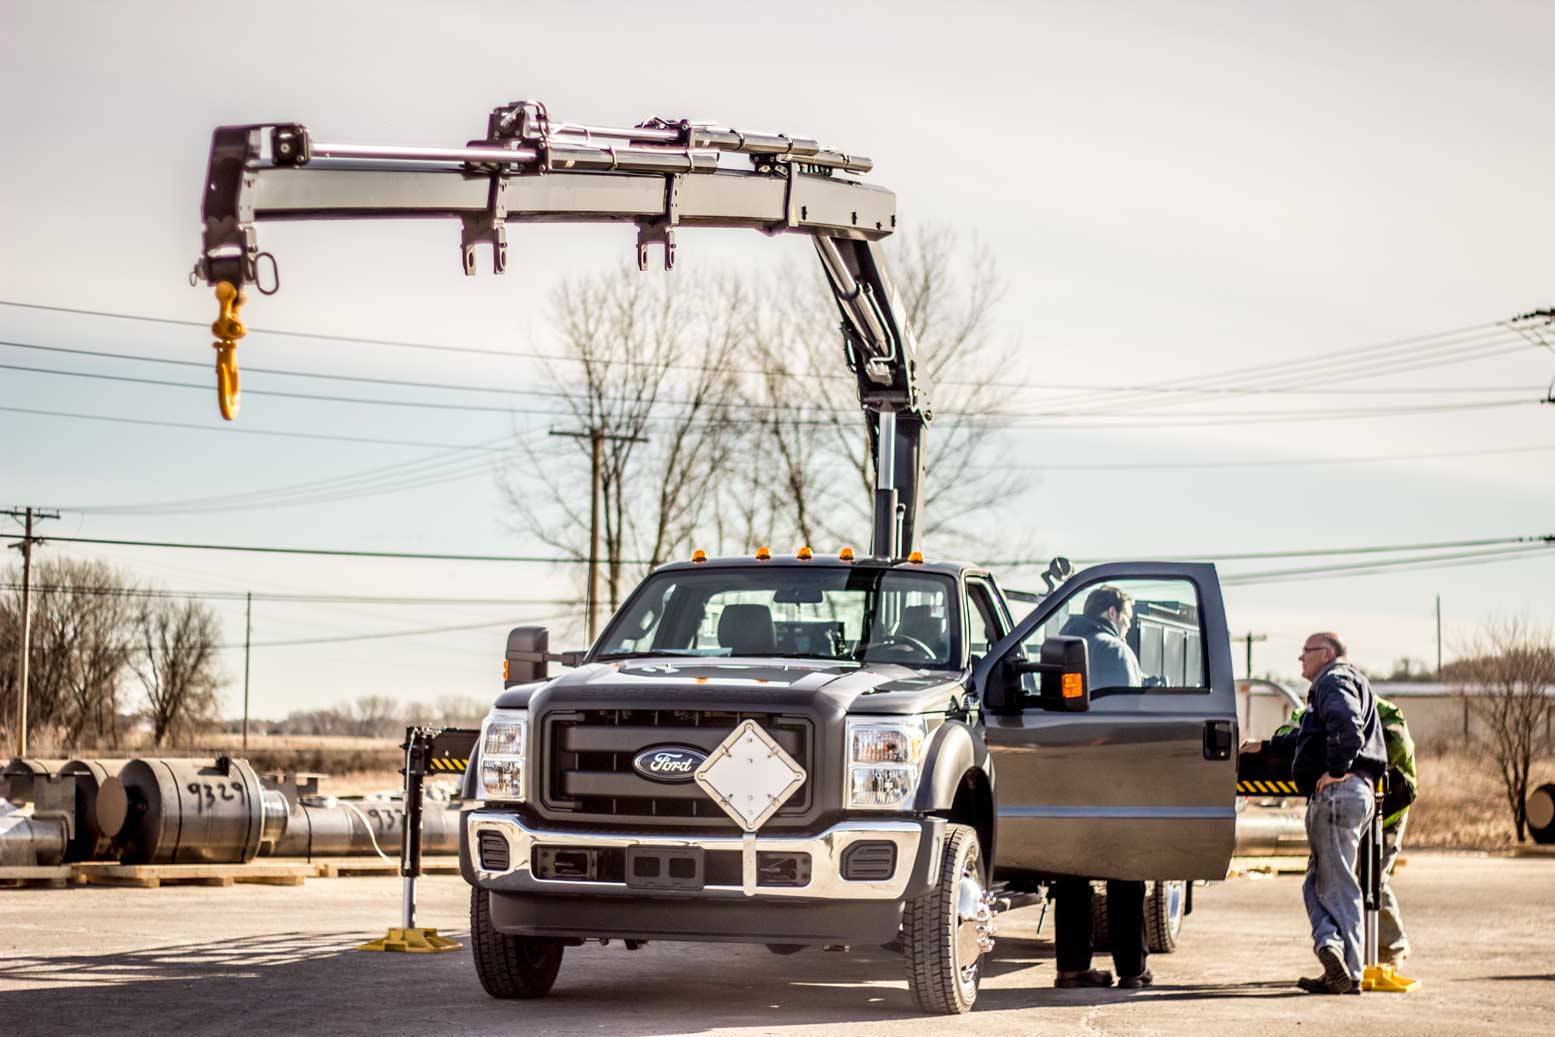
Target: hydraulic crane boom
(659, 175)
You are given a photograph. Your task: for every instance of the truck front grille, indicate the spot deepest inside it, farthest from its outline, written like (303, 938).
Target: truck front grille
(586, 762)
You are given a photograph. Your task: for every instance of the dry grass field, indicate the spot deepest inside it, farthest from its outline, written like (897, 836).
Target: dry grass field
(1462, 804)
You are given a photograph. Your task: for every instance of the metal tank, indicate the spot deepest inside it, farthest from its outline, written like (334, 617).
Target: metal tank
(21, 773)
(167, 811)
(89, 842)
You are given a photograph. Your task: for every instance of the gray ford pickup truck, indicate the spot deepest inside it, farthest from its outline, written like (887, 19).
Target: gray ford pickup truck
(798, 751)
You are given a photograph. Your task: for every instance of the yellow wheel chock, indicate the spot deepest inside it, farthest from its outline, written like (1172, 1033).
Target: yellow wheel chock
(411, 941)
(228, 328)
(1383, 980)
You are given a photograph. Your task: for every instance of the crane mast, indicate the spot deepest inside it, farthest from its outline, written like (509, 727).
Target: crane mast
(659, 175)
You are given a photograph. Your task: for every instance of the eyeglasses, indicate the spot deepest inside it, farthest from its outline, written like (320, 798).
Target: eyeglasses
(1318, 648)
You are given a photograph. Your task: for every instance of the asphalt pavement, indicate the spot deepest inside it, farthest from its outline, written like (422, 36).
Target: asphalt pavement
(263, 959)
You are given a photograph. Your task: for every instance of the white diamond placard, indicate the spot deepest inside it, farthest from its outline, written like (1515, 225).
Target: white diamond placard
(750, 775)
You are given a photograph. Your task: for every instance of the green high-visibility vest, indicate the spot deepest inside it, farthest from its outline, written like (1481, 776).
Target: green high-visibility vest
(1395, 734)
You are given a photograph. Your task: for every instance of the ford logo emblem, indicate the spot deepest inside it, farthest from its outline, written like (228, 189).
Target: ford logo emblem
(670, 764)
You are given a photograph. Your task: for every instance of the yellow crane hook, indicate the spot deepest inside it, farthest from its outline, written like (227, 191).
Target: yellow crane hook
(228, 328)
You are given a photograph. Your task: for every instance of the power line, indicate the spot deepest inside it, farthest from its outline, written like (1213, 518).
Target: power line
(243, 430)
(1541, 540)
(1545, 539)
(274, 597)
(1166, 385)
(1384, 566)
(1232, 390)
(999, 422)
(334, 553)
(1282, 463)
(387, 634)
(1122, 466)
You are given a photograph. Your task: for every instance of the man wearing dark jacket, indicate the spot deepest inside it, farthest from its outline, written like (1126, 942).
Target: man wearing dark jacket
(1104, 623)
(1339, 757)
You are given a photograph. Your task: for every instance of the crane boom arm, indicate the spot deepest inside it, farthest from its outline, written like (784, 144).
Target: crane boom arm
(659, 176)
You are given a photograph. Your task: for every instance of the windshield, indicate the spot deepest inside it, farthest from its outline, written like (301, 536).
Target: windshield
(863, 614)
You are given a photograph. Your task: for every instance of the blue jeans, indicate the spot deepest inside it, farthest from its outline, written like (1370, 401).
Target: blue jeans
(1336, 818)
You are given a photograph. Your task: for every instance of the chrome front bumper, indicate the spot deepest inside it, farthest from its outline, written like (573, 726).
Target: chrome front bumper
(825, 850)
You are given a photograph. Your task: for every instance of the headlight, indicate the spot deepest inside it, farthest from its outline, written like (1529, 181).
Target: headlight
(504, 746)
(884, 756)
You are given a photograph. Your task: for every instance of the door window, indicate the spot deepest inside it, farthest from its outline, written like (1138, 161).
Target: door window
(1139, 634)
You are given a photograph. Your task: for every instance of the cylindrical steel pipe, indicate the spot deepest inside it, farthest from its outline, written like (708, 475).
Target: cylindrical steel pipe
(340, 828)
(586, 157)
(27, 842)
(411, 153)
(1265, 832)
(165, 811)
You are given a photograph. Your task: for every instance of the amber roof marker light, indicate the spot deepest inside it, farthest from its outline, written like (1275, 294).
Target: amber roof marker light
(763, 554)
(845, 555)
(698, 556)
(916, 558)
(805, 554)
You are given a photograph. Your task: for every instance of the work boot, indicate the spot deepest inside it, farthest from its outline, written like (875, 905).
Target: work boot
(1335, 978)
(1144, 979)
(1088, 978)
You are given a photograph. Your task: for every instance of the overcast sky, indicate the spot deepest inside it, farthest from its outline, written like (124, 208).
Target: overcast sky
(1171, 191)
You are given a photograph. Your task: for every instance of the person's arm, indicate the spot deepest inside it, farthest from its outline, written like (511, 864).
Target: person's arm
(1338, 705)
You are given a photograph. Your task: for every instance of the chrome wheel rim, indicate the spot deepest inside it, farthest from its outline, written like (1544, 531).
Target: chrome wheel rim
(973, 927)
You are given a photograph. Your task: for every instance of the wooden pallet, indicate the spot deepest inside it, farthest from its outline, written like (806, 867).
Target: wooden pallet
(1267, 866)
(56, 876)
(338, 867)
(150, 876)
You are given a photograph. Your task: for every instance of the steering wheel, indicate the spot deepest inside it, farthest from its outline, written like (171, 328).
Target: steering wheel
(904, 641)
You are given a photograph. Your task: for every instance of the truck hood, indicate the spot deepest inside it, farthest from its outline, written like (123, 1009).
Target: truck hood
(755, 683)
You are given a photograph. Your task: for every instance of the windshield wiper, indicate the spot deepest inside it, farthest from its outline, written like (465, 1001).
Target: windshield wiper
(677, 652)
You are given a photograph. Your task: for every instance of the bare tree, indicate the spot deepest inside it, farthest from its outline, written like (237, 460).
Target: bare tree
(652, 373)
(176, 663)
(1508, 681)
(83, 623)
(378, 716)
(949, 290)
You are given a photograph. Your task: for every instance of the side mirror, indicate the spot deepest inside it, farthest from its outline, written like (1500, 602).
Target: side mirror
(1064, 667)
(1066, 674)
(527, 656)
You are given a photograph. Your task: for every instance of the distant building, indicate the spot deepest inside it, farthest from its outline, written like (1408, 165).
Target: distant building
(1435, 711)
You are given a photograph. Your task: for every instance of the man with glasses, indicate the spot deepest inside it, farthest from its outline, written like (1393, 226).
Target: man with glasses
(1339, 757)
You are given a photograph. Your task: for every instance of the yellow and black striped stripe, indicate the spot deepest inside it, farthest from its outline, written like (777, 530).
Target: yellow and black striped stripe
(448, 764)
(1266, 788)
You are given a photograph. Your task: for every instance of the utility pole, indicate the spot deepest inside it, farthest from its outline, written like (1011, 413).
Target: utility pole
(248, 637)
(596, 437)
(27, 515)
(1438, 637)
(1249, 638)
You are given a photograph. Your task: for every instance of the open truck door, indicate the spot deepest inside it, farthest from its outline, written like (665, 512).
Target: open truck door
(1117, 761)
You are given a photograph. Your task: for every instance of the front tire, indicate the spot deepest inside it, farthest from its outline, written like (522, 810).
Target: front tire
(949, 929)
(510, 966)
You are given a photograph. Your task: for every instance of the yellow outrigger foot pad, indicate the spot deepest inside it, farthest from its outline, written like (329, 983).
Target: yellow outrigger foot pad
(411, 941)
(1383, 979)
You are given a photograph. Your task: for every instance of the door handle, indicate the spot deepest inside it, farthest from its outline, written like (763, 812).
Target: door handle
(1217, 739)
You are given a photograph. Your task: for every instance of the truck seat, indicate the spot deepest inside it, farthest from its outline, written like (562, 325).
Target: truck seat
(919, 623)
(747, 630)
